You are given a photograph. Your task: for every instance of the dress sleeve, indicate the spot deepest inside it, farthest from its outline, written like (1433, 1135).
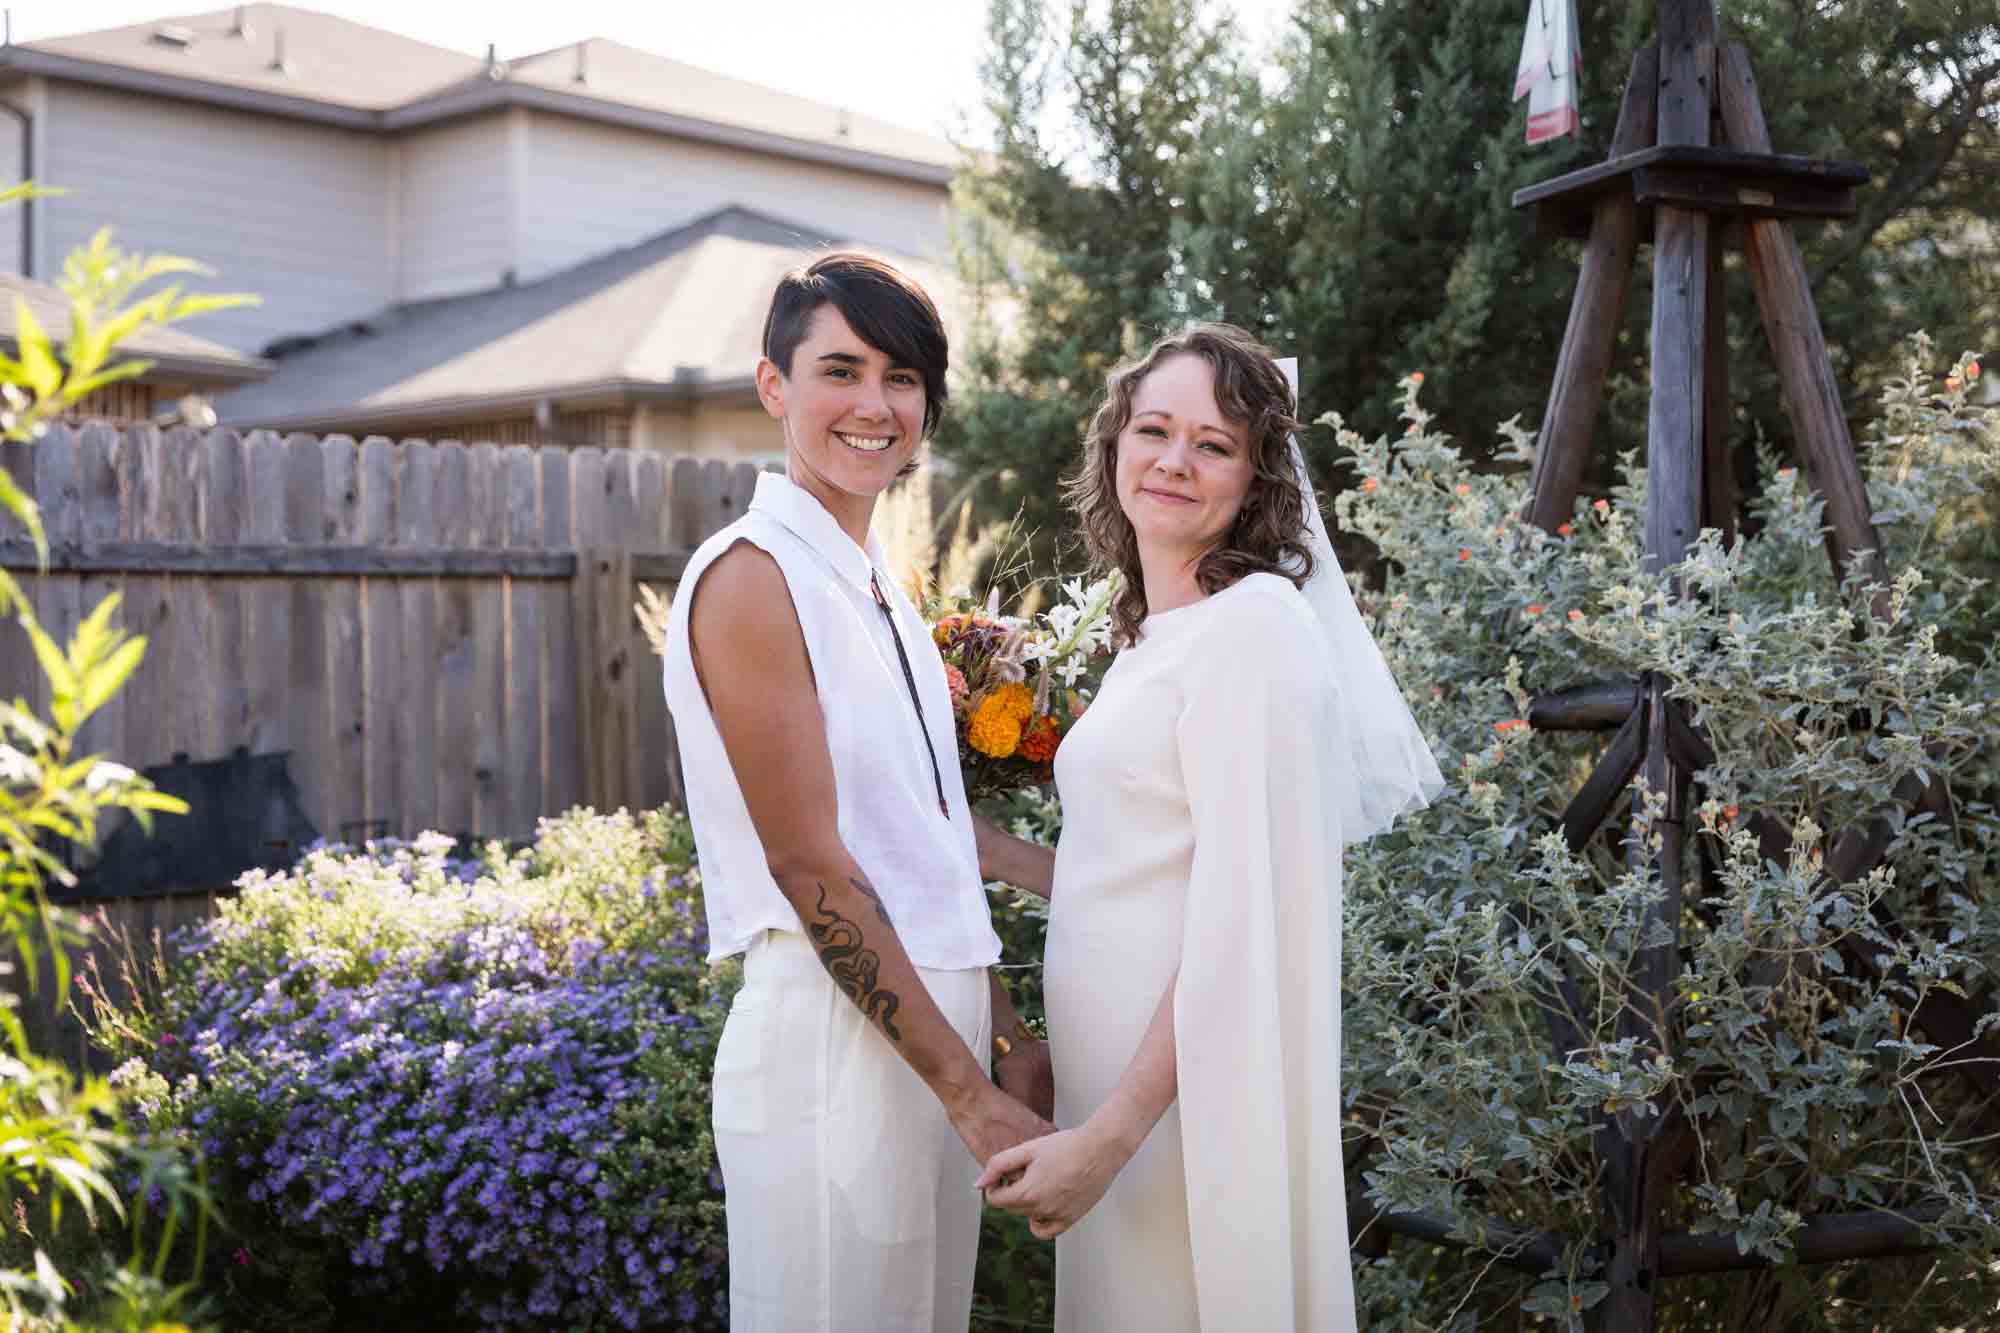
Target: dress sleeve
(1257, 999)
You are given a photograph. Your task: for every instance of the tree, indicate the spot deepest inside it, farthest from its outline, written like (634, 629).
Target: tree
(1347, 195)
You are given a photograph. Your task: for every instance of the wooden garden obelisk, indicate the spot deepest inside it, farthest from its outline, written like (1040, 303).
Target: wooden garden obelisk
(1669, 179)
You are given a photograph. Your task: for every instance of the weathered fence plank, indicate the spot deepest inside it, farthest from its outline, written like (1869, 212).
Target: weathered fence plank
(19, 672)
(304, 692)
(345, 719)
(562, 775)
(146, 606)
(180, 653)
(383, 703)
(452, 667)
(526, 710)
(98, 486)
(484, 765)
(267, 649)
(414, 688)
(221, 519)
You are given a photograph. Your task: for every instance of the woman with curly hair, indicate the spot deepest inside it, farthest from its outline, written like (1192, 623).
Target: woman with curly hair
(1247, 730)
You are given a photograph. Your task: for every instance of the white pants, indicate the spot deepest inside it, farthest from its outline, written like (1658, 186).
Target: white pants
(851, 1201)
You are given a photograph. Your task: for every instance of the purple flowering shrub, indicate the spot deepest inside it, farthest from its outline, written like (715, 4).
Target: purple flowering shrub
(469, 1094)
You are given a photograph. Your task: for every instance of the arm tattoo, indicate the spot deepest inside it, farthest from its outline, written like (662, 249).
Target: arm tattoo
(855, 968)
(881, 908)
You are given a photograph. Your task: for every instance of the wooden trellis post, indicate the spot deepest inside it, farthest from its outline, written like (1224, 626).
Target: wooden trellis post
(1667, 179)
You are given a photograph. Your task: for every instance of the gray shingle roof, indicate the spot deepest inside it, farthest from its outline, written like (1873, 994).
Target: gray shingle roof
(327, 59)
(368, 73)
(175, 353)
(679, 314)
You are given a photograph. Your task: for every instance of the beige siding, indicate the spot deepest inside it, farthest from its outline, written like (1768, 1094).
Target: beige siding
(13, 169)
(295, 213)
(455, 197)
(710, 430)
(590, 188)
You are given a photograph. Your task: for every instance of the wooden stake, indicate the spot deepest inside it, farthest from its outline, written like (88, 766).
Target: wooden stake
(1791, 323)
(1596, 310)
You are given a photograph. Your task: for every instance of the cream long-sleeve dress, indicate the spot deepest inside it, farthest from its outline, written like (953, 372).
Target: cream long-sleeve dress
(1199, 851)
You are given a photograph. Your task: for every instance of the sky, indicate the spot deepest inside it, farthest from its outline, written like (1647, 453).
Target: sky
(911, 62)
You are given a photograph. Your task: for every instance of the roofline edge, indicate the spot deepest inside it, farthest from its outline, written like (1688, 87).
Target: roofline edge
(589, 394)
(463, 100)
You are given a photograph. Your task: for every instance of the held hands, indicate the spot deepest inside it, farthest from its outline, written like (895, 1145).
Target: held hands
(1027, 1075)
(989, 1121)
(1054, 1181)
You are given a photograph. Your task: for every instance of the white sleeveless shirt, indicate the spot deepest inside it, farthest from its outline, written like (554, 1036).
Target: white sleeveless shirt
(924, 865)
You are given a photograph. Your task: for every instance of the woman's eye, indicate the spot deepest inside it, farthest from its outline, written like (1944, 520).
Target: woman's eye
(1153, 430)
(1219, 450)
(904, 381)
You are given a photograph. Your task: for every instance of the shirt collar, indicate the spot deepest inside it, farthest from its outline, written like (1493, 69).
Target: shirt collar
(792, 505)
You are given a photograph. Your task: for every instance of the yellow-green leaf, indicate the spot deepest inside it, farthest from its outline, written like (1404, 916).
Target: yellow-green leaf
(38, 364)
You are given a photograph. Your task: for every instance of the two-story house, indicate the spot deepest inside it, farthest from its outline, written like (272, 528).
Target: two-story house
(571, 247)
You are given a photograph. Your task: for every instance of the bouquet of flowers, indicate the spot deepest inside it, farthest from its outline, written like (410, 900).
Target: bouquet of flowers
(1019, 683)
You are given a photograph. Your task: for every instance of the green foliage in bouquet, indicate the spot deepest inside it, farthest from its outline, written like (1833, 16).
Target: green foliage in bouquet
(1018, 683)
(1788, 1054)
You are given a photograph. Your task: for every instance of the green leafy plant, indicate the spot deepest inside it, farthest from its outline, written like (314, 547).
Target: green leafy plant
(1487, 961)
(64, 1138)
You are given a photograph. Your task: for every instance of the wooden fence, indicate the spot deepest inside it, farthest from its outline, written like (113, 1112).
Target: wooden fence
(441, 635)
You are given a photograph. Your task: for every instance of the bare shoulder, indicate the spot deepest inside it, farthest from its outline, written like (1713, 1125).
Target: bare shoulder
(742, 613)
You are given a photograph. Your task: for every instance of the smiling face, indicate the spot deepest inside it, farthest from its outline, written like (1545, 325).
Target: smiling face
(852, 415)
(1183, 468)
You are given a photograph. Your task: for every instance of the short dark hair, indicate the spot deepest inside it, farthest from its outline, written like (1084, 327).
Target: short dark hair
(1269, 534)
(880, 302)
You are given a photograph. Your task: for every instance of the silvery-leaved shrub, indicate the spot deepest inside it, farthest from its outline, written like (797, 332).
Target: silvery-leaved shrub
(1806, 1089)
(445, 1093)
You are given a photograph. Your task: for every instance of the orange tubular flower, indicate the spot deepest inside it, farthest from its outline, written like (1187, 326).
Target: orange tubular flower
(1369, 485)
(954, 680)
(1416, 377)
(1039, 742)
(1972, 370)
(1510, 724)
(1565, 529)
(1465, 553)
(1535, 609)
(1576, 615)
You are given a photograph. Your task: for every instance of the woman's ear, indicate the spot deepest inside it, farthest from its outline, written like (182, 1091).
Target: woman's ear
(771, 387)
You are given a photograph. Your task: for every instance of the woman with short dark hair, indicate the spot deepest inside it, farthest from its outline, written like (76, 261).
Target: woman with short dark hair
(1247, 730)
(852, 1104)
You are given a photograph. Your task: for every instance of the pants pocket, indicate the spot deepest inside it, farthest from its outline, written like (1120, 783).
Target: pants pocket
(738, 1080)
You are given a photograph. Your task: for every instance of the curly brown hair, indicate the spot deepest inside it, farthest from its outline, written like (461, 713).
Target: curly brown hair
(1269, 534)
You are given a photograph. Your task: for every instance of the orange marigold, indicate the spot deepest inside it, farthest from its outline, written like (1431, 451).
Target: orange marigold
(1039, 741)
(995, 727)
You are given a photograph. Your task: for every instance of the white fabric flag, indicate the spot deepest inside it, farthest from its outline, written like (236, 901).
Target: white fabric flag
(1548, 70)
